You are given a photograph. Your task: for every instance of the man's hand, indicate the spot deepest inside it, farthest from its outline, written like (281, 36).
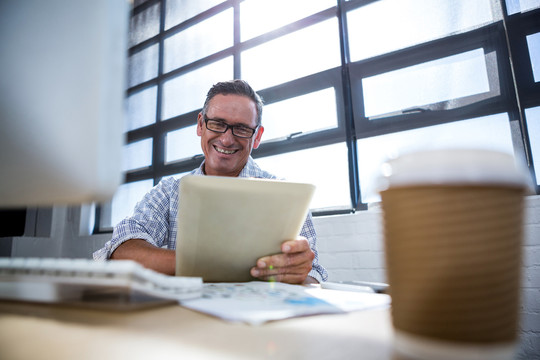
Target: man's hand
(291, 266)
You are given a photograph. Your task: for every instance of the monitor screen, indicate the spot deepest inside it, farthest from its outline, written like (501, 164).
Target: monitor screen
(62, 90)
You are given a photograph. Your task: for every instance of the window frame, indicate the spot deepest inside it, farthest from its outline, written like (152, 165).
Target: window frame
(506, 37)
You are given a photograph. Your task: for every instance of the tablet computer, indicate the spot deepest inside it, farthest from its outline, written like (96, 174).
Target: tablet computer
(225, 224)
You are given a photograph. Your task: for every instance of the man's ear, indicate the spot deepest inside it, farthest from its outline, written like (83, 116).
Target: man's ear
(199, 124)
(257, 139)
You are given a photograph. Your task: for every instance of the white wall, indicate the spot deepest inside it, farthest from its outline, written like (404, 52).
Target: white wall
(351, 247)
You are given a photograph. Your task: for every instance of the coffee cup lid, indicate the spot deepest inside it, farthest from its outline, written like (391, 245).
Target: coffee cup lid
(454, 167)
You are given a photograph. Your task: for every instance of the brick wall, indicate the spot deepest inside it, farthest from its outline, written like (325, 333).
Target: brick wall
(351, 247)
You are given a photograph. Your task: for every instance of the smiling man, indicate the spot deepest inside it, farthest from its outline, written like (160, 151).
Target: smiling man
(229, 126)
(227, 152)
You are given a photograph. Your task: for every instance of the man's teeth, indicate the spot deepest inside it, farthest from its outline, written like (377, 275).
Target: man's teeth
(223, 151)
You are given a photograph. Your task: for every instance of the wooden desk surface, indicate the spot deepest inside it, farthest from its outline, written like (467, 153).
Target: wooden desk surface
(32, 331)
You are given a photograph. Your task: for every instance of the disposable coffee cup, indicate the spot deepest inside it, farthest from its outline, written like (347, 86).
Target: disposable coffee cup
(453, 227)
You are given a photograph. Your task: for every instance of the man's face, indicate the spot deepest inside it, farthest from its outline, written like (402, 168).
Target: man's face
(226, 154)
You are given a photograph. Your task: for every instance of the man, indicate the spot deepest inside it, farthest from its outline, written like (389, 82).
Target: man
(230, 128)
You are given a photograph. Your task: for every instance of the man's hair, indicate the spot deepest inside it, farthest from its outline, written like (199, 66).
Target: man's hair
(236, 87)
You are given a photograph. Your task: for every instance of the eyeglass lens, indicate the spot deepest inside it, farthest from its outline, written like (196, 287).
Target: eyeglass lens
(237, 130)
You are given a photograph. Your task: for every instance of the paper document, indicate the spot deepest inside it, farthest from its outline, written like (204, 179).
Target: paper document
(258, 302)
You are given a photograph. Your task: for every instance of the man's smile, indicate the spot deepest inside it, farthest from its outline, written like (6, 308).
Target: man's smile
(224, 151)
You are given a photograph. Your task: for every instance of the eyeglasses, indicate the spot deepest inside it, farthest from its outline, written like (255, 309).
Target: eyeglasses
(219, 126)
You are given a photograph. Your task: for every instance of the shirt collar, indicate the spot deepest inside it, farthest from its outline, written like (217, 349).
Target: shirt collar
(251, 169)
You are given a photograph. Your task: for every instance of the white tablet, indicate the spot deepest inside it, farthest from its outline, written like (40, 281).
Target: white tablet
(225, 224)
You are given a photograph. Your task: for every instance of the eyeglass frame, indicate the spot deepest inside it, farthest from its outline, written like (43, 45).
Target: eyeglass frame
(232, 127)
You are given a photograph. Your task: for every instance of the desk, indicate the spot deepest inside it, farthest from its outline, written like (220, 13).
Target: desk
(33, 331)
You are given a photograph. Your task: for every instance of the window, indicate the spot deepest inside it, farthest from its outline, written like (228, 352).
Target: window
(446, 83)
(418, 86)
(470, 133)
(302, 53)
(533, 42)
(346, 84)
(137, 155)
(177, 51)
(318, 112)
(313, 166)
(123, 202)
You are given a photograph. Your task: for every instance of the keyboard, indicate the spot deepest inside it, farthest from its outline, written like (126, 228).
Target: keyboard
(119, 284)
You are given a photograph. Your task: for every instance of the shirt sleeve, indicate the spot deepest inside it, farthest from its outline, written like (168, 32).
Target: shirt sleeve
(308, 231)
(149, 222)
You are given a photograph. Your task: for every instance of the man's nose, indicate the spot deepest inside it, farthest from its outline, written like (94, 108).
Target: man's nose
(227, 137)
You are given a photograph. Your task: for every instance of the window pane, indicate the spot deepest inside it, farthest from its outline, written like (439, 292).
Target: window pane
(372, 152)
(144, 25)
(125, 199)
(143, 66)
(182, 143)
(186, 46)
(137, 155)
(533, 41)
(301, 114)
(445, 79)
(260, 16)
(187, 92)
(304, 52)
(533, 126)
(389, 25)
(516, 6)
(141, 108)
(178, 11)
(325, 167)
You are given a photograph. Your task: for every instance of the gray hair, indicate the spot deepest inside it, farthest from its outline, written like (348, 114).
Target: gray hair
(236, 87)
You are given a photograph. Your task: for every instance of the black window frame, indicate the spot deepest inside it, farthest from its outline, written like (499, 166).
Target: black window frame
(505, 38)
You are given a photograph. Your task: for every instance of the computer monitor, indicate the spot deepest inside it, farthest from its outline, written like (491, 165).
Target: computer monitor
(62, 91)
